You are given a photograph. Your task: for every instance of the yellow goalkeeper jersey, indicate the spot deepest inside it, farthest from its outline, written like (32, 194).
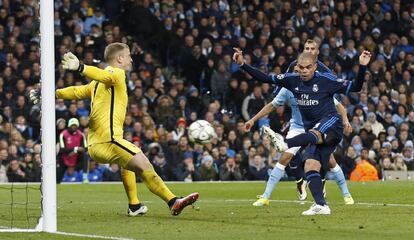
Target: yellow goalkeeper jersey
(109, 100)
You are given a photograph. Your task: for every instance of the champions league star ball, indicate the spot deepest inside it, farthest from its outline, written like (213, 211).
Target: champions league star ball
(201, 132)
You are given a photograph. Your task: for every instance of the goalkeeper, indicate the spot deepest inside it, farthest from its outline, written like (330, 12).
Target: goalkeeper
(109, 100)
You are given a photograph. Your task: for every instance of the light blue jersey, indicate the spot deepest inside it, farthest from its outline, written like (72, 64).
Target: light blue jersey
(285, 96)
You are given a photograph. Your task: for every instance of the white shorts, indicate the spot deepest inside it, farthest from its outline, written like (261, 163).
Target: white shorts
(293, 133)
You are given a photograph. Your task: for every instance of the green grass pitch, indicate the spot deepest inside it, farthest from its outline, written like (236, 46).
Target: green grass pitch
(383, 210)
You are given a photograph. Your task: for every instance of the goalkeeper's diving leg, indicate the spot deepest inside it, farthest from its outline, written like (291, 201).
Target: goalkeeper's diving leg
(140, 164)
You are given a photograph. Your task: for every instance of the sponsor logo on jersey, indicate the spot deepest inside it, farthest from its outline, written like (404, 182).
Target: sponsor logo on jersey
(315, 88)
(305, 101)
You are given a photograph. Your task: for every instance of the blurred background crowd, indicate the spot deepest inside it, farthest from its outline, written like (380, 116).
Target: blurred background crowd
(183, 71)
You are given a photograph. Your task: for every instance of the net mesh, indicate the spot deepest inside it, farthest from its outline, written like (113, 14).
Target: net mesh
(20, 205)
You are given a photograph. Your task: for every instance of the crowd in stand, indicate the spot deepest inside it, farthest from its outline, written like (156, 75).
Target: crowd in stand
(183, 71)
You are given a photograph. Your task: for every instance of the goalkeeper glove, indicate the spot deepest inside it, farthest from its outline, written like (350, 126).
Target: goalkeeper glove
(34, 96)
(71, 62)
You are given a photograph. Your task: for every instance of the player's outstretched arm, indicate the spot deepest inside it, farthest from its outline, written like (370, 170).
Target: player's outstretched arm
(71, 62)
(364, 59)
(268, 108)
(74, 92)
(342, 86)
(69, 93)
(254, 72)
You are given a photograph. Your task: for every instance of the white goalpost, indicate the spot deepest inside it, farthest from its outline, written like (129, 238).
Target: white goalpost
(48, 219)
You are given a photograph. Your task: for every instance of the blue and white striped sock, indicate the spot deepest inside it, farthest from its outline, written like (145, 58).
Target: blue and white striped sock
(277, 173)
(340, 180)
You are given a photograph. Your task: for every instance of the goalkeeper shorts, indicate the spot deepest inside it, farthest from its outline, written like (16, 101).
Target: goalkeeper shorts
(119, 151)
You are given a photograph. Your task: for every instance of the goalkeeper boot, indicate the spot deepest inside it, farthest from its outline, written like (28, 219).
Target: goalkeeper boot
(317, 209)
(181, 203)
(137, 209)
(349, 200)
(261, 201)
(275, 139)
(301, 189)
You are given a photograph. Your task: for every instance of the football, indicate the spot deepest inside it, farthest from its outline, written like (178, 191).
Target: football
(201, 132)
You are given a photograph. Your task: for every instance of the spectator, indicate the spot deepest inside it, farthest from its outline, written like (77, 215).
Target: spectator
(258, 170)
(180, 129)
(229, 171)
(386, 164)
(399, 163)
(253, 103)
(408, 155)
(161, 166)
(220, 80)
(208, 171)
(71, 175)
(364, 171)
(400, 116)
(96, 19)
(112, 173)
(376, 126)
(357, 144)
(94, 174)
(32, 166)
(186, 171)
(349, 161)
(72, 143)
(15, 172)
(164, 112)
(3, 171)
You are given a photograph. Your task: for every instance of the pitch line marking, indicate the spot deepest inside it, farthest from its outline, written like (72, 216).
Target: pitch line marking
(91, 236)
(4, 229)
(272, 200)
(336, 203)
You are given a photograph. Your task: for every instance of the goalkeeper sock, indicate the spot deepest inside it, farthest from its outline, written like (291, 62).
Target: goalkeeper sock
(340, 180)
(316, 187)
(155, 184)
(302, 139)
(134, 207)
(130, 185)
(275, 176)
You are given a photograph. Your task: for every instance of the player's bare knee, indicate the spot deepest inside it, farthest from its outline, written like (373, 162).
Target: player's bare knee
(312, 165)
(332, 162)
(139, 163)
(320, 139)
(285, 159)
